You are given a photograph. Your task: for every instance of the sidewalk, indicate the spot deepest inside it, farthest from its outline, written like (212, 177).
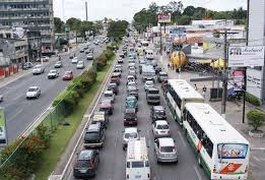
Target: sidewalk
(233, 110)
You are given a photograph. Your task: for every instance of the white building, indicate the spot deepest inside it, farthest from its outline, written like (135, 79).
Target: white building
(256, 77)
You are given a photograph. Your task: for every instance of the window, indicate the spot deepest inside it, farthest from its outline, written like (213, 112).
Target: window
(175, 96)
(128, 164)
(137, 164)
(206, 142)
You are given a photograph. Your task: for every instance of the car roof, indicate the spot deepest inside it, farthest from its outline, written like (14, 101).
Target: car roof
(131, 130)
(85, 154)
(162, 72)
(130, 110)
(33, 87)
(153, 89)
(161, 122)
(106, 101)
(166, 141)
(146, 82)
(159, 108)
(93, 127)
(66, 72)
(108, 92)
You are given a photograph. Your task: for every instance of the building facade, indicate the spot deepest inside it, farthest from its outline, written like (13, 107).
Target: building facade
(256, 37)
(31, 15)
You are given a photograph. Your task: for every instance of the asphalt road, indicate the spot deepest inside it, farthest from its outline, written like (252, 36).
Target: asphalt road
(112, 156)
(19, 111)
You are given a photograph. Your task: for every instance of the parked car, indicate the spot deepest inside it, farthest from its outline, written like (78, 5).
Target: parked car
(94, 136)
(80, 65)
(161, 128)
(38, 69)
(33, 92)
(44, 59)
(58, 64)
(107, 106)
(27, 65)
(53, 74)
(74, 60)
(86, 164)
(113, 87)
(109, 94)
(158, 113)
(162, 76)
(165, 150)
(130, 117)
(129, 133)
(68, 75)
(148, 84)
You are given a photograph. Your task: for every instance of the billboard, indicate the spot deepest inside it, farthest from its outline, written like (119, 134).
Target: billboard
(3, 136)
(164, 18)
(247, 56)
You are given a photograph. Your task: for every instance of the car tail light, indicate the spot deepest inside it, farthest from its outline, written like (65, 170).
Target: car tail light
(127, 176)
(214, 168)
(246, 170)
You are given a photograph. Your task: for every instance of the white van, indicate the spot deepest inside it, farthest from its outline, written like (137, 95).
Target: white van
(137, 163)
(149, 54)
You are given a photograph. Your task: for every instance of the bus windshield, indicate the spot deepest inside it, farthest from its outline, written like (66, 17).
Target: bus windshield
(232, 151)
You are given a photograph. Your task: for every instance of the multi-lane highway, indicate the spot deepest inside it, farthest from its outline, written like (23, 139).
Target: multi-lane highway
(19, 111)
(112, 157)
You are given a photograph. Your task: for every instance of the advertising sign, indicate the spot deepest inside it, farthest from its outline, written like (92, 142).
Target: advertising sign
(3, 136)
(254, 80)
(246, 56)
(238, 79)
(164, 18)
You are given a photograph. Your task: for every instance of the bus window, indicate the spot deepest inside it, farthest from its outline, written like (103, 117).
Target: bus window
(232, 151)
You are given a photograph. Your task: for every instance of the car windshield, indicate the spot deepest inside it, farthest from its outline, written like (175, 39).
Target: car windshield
(92, 135)
(137, 164)
(167, 149)
(108, 95)
(130, 135)
(149, 83)
(153, 92)
(53, 71)
(32, 89)
(164, 126)
(160, 112)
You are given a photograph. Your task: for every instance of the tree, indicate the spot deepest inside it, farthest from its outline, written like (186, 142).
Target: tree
(58, 25)
(189, 11)
(184, 20)
(117, 30)
(144, 19)
(73, 23)
(256, 119)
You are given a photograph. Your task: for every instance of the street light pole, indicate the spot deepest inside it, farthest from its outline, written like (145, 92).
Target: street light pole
(224, 93)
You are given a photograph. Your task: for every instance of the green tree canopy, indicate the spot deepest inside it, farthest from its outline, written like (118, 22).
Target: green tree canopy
(117, 29)
(58, 25)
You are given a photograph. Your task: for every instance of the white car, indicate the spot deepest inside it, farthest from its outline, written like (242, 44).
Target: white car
(44, 59)
(148, 84)
(38, 69)
(74, 60)
(80, 65)
(33, 92)
(129, 133)
(108, 94)
(161, 128)
(90, 56)
(165, 150)
(53, 74)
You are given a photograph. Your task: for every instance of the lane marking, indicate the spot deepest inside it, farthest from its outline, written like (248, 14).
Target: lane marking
(256, 159)
(116, 139)
(182, 139)
(197, 173)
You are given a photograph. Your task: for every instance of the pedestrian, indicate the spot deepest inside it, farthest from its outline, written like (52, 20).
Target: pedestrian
(204, 89)
(195, 87)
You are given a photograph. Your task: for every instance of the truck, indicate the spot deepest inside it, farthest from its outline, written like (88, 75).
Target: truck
(148, 72)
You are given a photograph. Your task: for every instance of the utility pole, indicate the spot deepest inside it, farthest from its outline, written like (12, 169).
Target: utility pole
(224, 95)
(86, 11)
(161, 40)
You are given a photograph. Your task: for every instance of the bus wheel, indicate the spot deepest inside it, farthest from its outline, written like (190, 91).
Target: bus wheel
(199, 160)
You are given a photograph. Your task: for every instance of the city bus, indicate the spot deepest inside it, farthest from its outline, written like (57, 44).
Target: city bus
(179, 93)
(221, 150)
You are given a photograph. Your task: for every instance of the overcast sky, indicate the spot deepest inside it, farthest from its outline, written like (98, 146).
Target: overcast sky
(125, 9)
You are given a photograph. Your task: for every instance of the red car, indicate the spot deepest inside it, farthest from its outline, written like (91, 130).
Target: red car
(68, 75)
(107, 106)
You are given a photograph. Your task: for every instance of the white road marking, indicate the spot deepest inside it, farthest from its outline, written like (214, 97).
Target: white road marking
(116, 139)
(182, 139)
(197, 173)
(256, 159)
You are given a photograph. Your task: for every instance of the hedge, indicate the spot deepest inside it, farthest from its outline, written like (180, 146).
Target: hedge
(252, 99)
(256, 119)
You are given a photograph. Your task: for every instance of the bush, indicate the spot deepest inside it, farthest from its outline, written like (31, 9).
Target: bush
(25, 160)
(101, 62)
(256, 119)
(252, 99)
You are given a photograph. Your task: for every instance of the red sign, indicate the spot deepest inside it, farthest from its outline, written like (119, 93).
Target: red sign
(230, 168)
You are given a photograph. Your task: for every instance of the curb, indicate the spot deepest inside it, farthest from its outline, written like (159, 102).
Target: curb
(257, 149)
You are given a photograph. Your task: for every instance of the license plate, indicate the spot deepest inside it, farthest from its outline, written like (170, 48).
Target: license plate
(163, 131)
(137, 176)
(82, 171)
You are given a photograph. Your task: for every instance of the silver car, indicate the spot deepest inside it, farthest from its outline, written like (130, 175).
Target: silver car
(33, 92)
(38, 69)
(165, 150)
(161, 128)
(129, 133)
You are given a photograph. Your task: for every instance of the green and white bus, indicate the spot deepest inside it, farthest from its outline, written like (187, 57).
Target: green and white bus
(221, 150)
(179, 93)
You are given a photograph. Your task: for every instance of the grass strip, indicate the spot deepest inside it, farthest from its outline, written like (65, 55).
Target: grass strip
(61, 137)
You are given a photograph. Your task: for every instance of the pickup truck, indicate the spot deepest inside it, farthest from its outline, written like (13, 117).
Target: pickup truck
(152, 96)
